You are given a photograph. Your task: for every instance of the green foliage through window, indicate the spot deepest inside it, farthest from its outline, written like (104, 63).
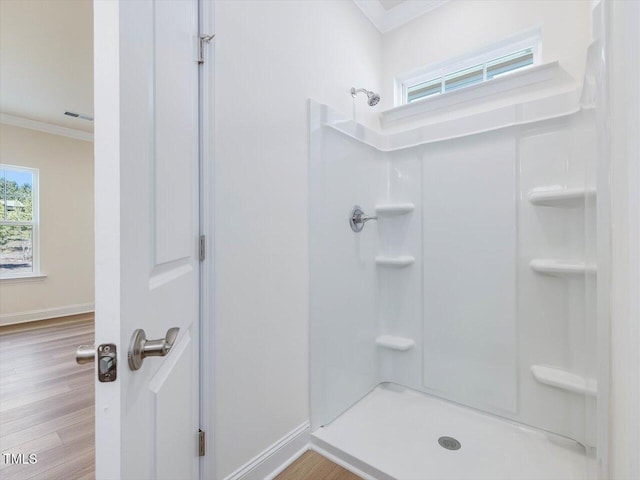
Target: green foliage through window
(17, 220)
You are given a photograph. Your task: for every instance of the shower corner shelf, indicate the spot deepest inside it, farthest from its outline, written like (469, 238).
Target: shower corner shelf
(399, 261)
(400, 344)
(558, 378)
(559, 196)
(561, 267)
(393, 209)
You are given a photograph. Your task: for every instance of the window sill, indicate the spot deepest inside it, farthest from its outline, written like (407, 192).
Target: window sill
(474, 93)
(23, 278)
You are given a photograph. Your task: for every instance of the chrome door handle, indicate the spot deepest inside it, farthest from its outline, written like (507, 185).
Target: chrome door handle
(141, 348)
(85, 354)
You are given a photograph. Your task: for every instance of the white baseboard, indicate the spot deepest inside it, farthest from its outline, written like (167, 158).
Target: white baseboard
(34, 315)
(276, 458)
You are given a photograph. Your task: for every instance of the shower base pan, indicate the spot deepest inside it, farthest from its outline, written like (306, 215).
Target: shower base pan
(393, 433)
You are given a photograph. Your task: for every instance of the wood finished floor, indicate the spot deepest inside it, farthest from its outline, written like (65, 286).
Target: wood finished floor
(313, 466)
(47, 400)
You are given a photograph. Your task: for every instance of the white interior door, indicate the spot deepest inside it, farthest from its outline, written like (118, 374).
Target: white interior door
(147, 247)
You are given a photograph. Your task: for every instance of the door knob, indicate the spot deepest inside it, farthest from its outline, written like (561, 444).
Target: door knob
(141, 348)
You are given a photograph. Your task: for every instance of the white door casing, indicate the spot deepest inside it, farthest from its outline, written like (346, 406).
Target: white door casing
(147, 232)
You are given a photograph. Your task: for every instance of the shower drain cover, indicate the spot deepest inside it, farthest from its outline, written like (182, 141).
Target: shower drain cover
(449, 443)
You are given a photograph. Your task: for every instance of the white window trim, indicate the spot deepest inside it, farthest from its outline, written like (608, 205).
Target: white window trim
(531, 38)
(35, 222)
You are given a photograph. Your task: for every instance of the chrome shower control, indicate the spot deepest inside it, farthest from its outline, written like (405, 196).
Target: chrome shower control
(357, 219)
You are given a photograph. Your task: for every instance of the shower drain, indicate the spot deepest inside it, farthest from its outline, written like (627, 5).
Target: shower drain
(449, 443)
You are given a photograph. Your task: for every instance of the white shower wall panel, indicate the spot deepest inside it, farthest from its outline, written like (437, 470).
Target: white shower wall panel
(343, 305)
(399, 290)
(553, 323)
(469, 287)
(528, 318)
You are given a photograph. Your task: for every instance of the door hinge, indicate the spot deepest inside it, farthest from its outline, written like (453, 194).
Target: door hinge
(203, 39)
(203, 243)
(201, 446)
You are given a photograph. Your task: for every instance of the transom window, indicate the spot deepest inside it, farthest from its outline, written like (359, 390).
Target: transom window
(510, 54)
(18, 221)
(470, 76)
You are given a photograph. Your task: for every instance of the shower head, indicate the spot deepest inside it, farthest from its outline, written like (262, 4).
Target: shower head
(372, 97)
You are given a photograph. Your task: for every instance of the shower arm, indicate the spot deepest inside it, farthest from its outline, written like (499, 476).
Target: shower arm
(372, 97)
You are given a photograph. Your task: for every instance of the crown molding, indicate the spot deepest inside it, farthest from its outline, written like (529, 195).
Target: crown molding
(45, 127)
(387, 20)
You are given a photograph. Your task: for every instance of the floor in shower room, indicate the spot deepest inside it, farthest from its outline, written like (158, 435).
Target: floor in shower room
(395, 431)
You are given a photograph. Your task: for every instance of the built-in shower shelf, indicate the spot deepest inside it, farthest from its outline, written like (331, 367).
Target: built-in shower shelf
(395, 343)
(392, 209)
(561, 267)
(558, 378)
(399, 261)
(559, 196)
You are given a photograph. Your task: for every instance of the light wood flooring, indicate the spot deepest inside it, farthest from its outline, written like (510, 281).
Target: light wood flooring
(313, 466)
(47, 400)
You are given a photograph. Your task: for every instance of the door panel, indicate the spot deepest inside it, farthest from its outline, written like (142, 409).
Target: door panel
(147, 267)
(175, 52)
(171, 419)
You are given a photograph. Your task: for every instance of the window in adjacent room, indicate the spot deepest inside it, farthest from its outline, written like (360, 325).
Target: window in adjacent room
(18, 221)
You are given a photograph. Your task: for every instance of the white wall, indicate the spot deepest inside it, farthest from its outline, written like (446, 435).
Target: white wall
(462, 26)
(623, 23)
(66, 225)
(271, 56)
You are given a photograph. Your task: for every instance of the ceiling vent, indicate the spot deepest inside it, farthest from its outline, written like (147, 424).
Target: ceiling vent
(79, 115)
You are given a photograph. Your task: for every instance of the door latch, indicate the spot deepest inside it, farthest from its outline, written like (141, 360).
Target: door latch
(107, 360)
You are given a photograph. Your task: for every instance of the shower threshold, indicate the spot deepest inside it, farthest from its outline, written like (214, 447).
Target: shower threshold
(394, 433)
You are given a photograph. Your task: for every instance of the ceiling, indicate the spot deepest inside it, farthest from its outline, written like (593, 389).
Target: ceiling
(389, 4)
(46, 60)
(388, 15)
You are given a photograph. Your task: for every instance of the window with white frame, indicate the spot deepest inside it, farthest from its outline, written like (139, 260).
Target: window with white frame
(18, 221)
(511, 54)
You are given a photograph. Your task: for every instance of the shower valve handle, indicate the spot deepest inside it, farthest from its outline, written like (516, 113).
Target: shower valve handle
(358, 218)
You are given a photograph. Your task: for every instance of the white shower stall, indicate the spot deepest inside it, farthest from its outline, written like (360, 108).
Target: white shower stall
(468, 309)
